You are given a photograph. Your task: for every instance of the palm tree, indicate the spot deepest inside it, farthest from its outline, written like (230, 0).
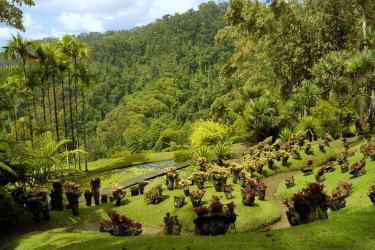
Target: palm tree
(87, 77)
(20, 49)
(76, 50)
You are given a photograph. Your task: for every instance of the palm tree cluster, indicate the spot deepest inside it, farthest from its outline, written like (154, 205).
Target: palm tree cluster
(44, 90)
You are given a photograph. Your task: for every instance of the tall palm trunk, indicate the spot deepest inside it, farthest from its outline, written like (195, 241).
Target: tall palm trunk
(55, 108)
(76, 100)
(49, 107)
(44, 104)
(71, 117)
(84, 126)
(63, 103)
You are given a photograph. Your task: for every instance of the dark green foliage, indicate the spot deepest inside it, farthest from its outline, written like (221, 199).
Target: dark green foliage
(182, 155)
(9, 212)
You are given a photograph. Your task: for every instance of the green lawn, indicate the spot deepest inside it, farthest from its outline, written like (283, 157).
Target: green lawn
(349, 228)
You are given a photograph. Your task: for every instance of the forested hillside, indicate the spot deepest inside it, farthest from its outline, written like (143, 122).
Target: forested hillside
(236, 71)
(155, 80)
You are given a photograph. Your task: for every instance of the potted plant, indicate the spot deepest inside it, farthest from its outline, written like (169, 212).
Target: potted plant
(345, 188)
(134, 190)
(251, 183)
(199, 177)
(142, 185)
(214, 220)
(328, 167)
(184, 184)
(88, 197)
(371, 193)
(56, 195)
(118, 194)
(120, 225)
(179, 201)
(243, 177)
(171, 175)
(196, 197)
(300, 138)
(153, 192)
(104, 198)
(284, 157)
(202, 163)
(307, 146)
(228, 189)
(172, 225)
(277, 145)
(95, 186)
(37, 203)
(358, 168)
(327, 139)
(319, 176)
(248, 196)
(308, 205)
(73, 192)
(219, 176)
(341, 157)
(236, 168)
(289, 182)
(336, 200)
(261, 189)
(308, 168)
(321, 144)
(294, 151)
(270, 158)
(259, 163)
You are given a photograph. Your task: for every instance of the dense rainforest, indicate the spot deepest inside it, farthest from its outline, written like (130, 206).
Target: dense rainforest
(237, 71)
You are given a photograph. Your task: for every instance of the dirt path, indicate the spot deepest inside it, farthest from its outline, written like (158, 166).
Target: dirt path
(272, 183)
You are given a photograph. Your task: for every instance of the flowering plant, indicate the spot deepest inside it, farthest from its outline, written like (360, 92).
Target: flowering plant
(283, 153)
(120, 225)
(227, 188)
(261, 185)
(247, 193)
(371, 189)
(197, 194)
(171, 172)
(216, 207)
(184, 183)
(269, 156)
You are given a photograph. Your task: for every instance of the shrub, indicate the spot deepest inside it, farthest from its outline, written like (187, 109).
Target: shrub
(153, 192)
(208, 133)
(9, 212)
(182, 155)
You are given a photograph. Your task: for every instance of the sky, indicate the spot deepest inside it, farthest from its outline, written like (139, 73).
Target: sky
(59, 17)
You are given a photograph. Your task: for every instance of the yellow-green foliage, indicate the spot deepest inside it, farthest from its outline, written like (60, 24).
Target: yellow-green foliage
(208, 133)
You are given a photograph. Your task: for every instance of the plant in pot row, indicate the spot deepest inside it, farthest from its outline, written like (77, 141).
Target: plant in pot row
(371, 193)
(270, 158)
(171, 177)
(118, 193)
(319, 176)
(202, 163)
(88, 196)
(248, 196)
(215, 219)
(244, 176)
(36, 201)
(308, 205)
(95, 186)
(321, 144)
(196, 197)
(345, 188)
(368, 150)
(218, 176)
(56, 195)
(328, 167)
(73, 192)
(228, 189)
(284, 155)
(294, 151)
(184, 184)
(289, 182)
(307, 147)
(358, 168)
(300, 137)
(153, 192)
(172, 225)
(120, 225)
(337, 200)
(235, 169)
(308, 168)
(198, 178)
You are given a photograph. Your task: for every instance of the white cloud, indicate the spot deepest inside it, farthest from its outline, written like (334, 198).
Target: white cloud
(30, 23)
(81, 22)
(5, 33)
(162, 7)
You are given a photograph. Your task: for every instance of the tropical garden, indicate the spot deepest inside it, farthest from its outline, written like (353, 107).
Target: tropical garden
(258, 128)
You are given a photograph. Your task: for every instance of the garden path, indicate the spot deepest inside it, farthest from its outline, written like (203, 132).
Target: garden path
(272, 183)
